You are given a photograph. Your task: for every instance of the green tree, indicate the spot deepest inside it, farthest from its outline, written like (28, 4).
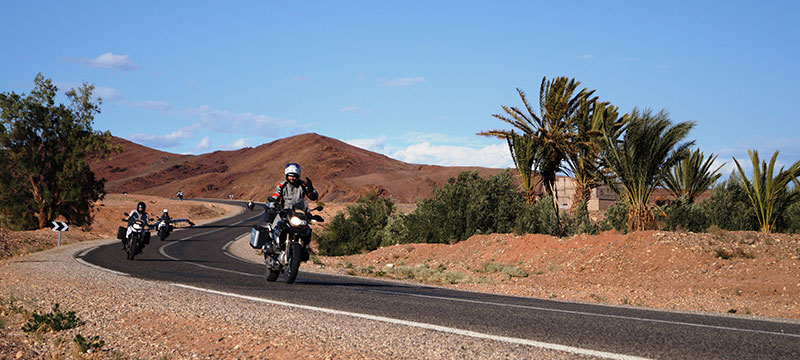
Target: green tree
(43, 153)
(768, 192)
(591, 122)
(729, 208)
(692, 176)
(553, 130)
(650, 146)
(357, 229)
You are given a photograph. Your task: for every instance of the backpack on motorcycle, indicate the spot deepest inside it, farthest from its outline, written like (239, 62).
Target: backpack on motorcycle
(258, 237)
(121, 232)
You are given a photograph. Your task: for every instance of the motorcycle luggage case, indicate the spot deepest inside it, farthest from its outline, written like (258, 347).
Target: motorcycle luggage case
(258, 237)
(121, 231)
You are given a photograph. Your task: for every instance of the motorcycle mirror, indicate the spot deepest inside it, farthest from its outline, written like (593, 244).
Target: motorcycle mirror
(318, 208)
(126, 214)
(317, 218)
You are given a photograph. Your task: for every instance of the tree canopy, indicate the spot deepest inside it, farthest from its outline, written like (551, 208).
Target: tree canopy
(44, 149)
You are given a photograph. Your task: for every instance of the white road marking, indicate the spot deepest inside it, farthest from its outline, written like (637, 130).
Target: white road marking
(78, 259)
(474, 334)
(528, 307)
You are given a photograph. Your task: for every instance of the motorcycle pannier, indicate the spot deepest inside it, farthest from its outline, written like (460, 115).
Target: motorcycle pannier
(258, 237)
(121, 231)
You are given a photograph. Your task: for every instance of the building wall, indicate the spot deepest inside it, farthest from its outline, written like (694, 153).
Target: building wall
(600, 199)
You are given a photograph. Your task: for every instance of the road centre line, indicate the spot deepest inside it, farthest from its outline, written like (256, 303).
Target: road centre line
(539, 344)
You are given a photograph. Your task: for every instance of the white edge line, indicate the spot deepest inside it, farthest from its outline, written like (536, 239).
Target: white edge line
(539, 344)
(93, 266)
(585, 313)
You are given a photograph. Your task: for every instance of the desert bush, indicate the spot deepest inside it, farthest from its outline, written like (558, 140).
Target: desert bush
(394, 231)
(789, 221)
(359, 229)
(55, 320)
(616, 217)
(578, 222)
(681, 215)
(92, 343)
(729, 208)
(465, 206)
(537, 218)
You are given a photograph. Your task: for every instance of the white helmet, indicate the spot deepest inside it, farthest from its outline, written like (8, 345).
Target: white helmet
(292, 169)
(165, 211)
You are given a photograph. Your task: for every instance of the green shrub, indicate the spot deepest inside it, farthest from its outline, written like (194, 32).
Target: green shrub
(680, 215)
(578, 222)
(537, 218)
(92, 343)
(616, 217)
(465, 206)
(395, 230)
(55, 320)
(789, 221)
(359, 230)
(729, 208)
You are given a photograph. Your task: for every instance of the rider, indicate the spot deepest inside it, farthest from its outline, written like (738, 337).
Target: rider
(165, 216)
(289, 194)
(138, 214)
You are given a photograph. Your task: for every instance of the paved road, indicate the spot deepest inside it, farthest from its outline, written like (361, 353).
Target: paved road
(195, 257)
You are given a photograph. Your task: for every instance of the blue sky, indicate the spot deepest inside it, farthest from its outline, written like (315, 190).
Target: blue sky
(414, 80)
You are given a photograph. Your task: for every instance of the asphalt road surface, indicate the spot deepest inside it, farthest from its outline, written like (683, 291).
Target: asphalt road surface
(195, 258)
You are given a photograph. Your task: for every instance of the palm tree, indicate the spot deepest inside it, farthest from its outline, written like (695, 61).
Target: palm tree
(769, 194)
(591, 122)
(650, 146)
(552, 131)
(524, 151)
(692, 176)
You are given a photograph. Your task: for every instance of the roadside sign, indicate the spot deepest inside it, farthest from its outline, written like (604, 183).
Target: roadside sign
(60, 226)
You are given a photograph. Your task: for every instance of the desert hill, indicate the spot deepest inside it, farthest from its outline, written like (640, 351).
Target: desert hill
(340, 172)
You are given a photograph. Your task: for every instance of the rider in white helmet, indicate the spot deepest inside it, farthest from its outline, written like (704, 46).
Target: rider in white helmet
(290, 194)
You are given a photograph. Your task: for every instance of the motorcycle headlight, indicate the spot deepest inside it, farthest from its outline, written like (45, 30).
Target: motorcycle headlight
(136, 226)
(297, 222)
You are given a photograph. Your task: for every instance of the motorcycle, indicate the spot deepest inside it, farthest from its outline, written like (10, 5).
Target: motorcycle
(283, 250)
(138, 236)
(163, 228)
(251, 205)
(179, 195)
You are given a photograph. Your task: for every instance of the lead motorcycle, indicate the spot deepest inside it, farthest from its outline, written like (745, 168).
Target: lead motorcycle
(282, 246)
(135, 236)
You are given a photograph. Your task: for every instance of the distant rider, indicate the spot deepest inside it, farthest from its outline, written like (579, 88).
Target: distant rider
(289, 195)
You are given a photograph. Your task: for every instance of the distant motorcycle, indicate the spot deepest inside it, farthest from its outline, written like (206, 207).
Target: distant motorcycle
(134, 237)
(251, 205)
(282, 247)
(163, 228)
(179, 195)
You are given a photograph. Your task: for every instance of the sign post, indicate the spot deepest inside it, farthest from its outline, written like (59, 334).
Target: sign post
(59, 226)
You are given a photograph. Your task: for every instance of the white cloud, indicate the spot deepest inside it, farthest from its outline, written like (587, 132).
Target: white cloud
(112, 61)
(226, 121)
(403, 81)
(165, 141)
(350, 108)
(238, 144)
(107, 93)
(628, 59)
(494, 156)
(203, 145)
(585, 57)
(152, 105)
(378, 145)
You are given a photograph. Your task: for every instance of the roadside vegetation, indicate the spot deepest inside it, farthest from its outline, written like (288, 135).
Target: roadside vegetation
(44, 149)
(576, 134)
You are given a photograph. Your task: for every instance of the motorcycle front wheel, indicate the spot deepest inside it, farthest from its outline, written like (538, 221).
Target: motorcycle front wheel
(294, 262)
(272, 275)
(131, 248)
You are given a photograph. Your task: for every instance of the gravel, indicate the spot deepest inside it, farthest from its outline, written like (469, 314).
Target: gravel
(149, 319)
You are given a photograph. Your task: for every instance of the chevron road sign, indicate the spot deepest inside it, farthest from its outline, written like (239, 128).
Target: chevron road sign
(60, 226)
